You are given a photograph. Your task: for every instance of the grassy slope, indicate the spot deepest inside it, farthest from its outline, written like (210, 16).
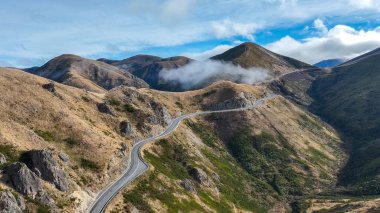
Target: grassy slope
(259, 166)
(349, 98)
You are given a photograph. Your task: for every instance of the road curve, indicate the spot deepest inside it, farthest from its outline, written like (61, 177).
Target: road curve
(137, 166)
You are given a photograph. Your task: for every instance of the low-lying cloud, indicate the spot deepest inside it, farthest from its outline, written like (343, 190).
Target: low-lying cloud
(201, 73)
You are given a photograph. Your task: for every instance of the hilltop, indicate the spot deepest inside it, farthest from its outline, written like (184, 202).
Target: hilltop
(88, 74)
(252, 55)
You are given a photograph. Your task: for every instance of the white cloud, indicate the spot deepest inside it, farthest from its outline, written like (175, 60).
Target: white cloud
(365, 4)
(228, 29)
(320, 26)
(339, 42)
(208, 53)
(167, 12)
(200, 73)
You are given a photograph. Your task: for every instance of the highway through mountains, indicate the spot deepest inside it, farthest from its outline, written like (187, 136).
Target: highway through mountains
(138, 166)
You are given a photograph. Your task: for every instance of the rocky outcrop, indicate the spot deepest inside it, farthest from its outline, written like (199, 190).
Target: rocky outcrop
(104, 108)
(64, 157)
(43, 161)
(126, 129)
(3, 159)
(162, 113)
(10, 204)
(23, 179)
(201, 177)
(242, 100)
(188, 185)
(46, 199)
(49, 87)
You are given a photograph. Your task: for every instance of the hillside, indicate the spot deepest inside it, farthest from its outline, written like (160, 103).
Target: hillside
(347, 97)
(87, 74)
(252, 55)
(85, 137)
(148, 68)
(256, 160)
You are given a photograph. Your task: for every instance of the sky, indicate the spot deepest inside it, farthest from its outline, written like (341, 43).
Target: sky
(33, 32)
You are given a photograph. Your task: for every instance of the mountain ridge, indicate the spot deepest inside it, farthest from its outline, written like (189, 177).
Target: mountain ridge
(84, 73)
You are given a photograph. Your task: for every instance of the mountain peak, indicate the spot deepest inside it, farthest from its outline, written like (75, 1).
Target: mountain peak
(249, 55)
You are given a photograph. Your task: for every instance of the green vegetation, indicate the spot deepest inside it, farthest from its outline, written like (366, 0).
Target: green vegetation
(85, 98)
(349, 99)
(207, 137)
(179, 104)
(88, 164)
(114, 102)
(40, 207)
(308, 123)
(172, 162)
(10, 153)
(262, 156)
(238, 187)
(46, 135)
(128, 108)
(71, 142)
(153, 188)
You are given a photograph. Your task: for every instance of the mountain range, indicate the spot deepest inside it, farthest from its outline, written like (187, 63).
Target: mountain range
(67, 129)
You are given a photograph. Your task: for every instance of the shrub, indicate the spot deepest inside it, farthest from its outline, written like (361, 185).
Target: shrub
(86, 99)
(46, 135)
(71, 142)
(11, 154)
(88, 164)
(179, 105)
(129, 108)
(114, 102)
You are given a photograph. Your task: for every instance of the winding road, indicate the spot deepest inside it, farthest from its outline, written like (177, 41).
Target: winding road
(137, 166)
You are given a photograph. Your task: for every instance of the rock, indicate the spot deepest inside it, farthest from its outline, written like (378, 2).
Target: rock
(242, 100)
(162, 113)
(188, 185)
(3, 159)
(23, 179)
(21, 202)
(215, 177)
(201, 177)
(126, 129)
(104, 108)
(64, 157)
(50, 171)
(9, 204)
(49, 87)
(46, 199)
(123, 147)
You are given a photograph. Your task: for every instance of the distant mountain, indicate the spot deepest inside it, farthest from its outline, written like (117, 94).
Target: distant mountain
(85, 73)
(148, 67)
(252, 55)
(330, 63)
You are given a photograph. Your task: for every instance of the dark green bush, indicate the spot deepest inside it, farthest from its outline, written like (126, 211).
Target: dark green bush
(129, 108)
(88, 164)
(46, 135)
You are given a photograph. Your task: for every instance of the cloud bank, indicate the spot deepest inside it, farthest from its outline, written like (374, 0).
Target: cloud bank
(201, 73)
(340, 41)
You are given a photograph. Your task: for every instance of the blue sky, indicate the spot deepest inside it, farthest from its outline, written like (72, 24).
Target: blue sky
(32, 32)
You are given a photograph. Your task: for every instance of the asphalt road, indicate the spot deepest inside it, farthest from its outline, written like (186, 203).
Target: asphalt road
(138, 166)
